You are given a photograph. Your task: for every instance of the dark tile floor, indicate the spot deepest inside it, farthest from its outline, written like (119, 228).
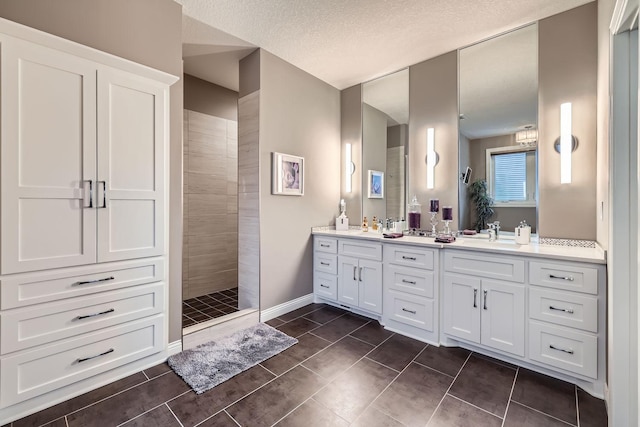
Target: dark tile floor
(345, 370)
(207, 307)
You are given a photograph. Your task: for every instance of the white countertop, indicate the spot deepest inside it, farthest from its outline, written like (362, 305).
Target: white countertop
(504, 246)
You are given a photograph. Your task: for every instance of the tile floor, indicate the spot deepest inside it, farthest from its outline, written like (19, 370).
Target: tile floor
(207, 307)
(345, 370)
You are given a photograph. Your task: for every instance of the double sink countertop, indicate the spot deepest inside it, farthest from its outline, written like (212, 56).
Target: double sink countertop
(504, 245)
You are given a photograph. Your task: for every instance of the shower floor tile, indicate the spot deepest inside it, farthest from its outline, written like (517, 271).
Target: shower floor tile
(206, 307)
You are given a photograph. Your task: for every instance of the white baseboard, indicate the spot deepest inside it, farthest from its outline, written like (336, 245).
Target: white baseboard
(174, 348)
(284, 308)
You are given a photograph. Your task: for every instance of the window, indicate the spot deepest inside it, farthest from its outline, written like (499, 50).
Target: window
(511, 175)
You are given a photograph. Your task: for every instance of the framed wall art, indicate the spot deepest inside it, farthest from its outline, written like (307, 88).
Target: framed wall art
(287, 174)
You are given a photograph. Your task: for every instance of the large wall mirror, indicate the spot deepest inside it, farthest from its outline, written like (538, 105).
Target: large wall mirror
(385, 119)
(498, 106)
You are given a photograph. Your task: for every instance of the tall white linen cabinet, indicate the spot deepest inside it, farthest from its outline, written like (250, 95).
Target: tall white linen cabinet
(83, 218)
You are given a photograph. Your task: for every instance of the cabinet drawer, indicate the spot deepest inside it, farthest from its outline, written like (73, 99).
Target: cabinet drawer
(570, 277)
(325, 285)
(359, 249)
(30, 326)
(411, 309)
(28, 374)
(412, 280)
(409, 256)
(492, 266)
(323, 244)
(564, 308)
(563, 348)
(325, 263)
(33, 288)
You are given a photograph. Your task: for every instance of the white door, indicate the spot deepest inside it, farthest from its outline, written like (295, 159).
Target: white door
(370, 285)
(132, 128)
(348, 280)
(48, 158)
(462, 306)
(503, 316)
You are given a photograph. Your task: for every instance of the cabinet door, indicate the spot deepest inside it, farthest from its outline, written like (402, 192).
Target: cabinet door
(348, 280)
(370, 285)
(462, 307)
(132, 128)
(48, 158)
(503, 316)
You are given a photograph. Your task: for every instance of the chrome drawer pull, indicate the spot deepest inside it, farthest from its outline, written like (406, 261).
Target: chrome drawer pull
(485, 300)
(360, 275)
(566, 310)
(569, 278)
(324, 263)
(90, 192)
(409, 311)
(410, 258)
(86, 282)
(408, 281)
(84, 359)
(354, 272)
(322, 245)
(552, 347)
(86, 316)
(324, 286)
(475, 298)
(104, 193)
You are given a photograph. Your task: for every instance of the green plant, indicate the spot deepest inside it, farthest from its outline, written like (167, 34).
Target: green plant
(479, 194)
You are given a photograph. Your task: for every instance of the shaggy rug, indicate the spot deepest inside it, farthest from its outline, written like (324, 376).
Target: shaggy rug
(212, 363)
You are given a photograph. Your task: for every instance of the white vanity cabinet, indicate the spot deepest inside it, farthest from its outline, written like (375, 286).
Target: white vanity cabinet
(325, 267)
(84, 137)
(566, 316)
(360, 275)
(480, 309)
(411, 291)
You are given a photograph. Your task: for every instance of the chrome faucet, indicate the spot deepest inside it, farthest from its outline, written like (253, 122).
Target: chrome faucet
(494, 229)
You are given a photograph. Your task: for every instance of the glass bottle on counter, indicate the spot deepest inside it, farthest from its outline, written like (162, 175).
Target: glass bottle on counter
(415, 212)
(365, 224)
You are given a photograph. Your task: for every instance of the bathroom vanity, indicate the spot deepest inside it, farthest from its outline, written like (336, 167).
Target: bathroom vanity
(537, 306)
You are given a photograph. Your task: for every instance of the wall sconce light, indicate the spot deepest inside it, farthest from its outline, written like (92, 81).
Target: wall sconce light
(350, 168)
(566, 144)
(432, 158)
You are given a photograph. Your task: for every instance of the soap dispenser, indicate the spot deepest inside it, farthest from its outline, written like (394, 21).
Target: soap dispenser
(365, 224)
(523, 233)
(342, 222)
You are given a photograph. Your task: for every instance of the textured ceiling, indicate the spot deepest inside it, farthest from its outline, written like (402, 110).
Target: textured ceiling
(346, 42)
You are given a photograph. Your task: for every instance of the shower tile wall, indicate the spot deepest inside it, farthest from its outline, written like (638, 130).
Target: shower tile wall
(210, 252)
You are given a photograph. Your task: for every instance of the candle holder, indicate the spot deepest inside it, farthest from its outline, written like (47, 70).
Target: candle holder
(447, 230)
(434, 222)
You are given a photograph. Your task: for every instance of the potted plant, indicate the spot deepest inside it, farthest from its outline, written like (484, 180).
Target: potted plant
(479, 195)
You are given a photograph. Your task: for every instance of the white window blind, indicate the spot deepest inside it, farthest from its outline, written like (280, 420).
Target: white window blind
(510, 177)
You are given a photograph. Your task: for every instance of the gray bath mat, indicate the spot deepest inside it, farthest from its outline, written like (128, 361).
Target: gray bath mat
(212, 363)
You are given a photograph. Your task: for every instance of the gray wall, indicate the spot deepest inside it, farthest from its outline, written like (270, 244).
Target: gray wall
(433, 102)
(144, 31)
(464, 205)
(374, 157)
(299, 115)
(567, 73)
(351, 133)
(208, 98)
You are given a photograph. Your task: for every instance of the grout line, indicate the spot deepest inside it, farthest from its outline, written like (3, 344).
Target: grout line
(433, 369)
(174, 415)
(66, 421)
(267, 369)
(577, 406)
(513, 386)
(544, 413)
(331, 380)
(391, 382)
(229, 415)
(475, 406)
(381, 364)
(145, 374)
(450, 385)
(140, 415)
